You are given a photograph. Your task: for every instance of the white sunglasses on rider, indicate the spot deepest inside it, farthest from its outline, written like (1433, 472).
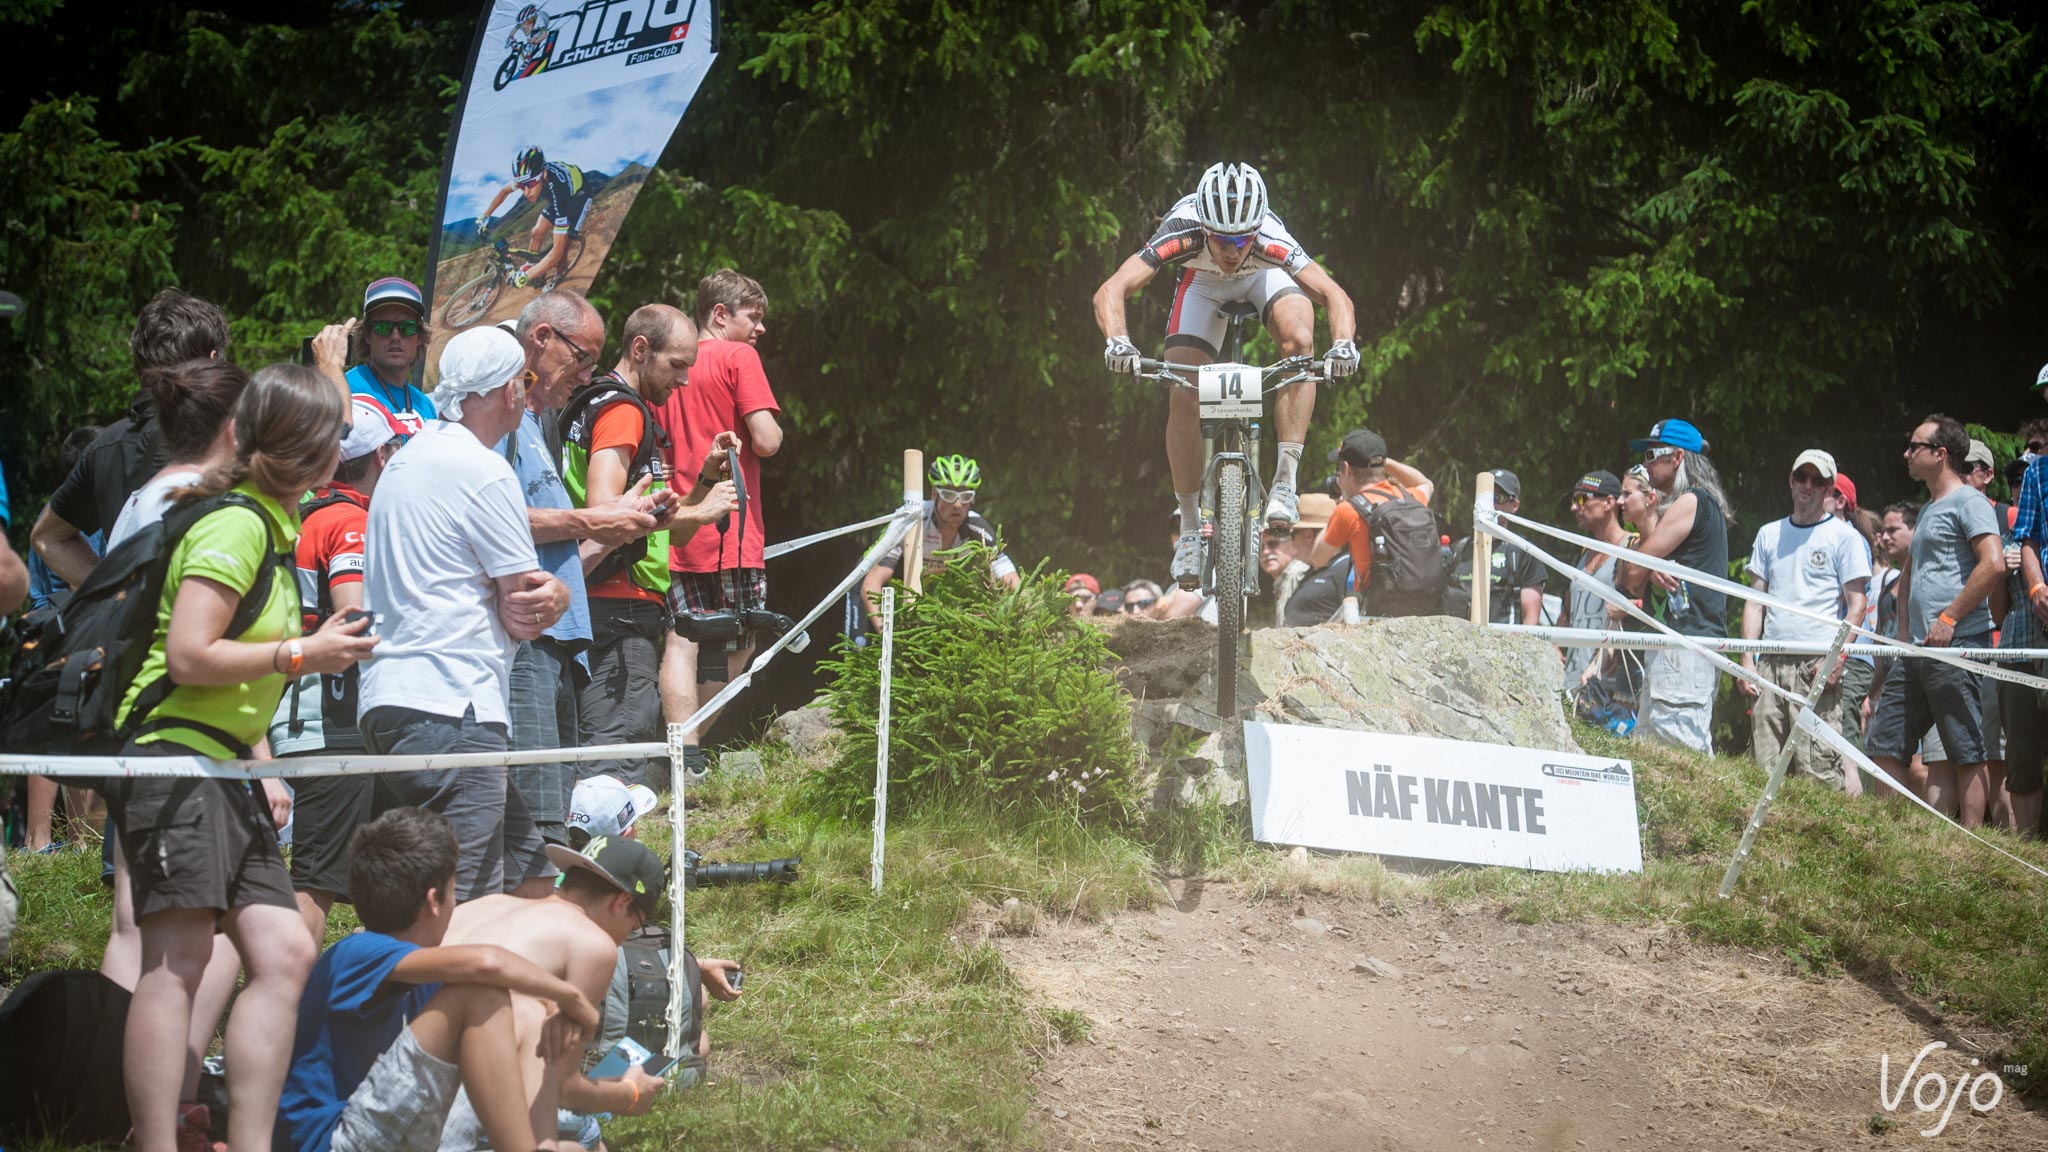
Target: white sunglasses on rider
(956, 495)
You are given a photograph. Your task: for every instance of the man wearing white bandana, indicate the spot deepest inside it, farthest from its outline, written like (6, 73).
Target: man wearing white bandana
(454, 582)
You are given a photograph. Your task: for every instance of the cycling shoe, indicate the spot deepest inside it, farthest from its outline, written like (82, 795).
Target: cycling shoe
(1283, 508)
(1187, 560)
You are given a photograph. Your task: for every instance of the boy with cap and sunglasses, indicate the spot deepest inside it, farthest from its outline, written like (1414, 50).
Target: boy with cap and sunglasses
(391, 340)
(1818, 562)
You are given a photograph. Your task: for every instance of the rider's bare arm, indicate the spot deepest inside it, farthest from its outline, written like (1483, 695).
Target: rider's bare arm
(871, 586)
(492, 211)
(1317, 285)
(1130, 278)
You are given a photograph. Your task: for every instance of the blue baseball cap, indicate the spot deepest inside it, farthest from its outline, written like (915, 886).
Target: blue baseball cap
(1676, 433)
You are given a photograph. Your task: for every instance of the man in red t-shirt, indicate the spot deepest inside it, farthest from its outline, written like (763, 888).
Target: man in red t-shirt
(612, 443)
(1364, 469)
(318, 712)
(727, 392)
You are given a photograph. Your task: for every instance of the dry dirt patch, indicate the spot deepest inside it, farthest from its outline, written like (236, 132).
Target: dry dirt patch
(1218, 1023)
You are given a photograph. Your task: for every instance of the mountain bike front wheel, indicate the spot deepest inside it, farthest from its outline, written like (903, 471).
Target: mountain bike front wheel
(1229, 553)
(468, 303)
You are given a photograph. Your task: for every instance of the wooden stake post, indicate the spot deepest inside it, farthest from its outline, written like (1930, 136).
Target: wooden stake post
(912, 574)
(1482, 552)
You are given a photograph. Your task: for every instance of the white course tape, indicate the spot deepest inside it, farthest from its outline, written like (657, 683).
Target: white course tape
(1806, 719)
(1607, 638)
(296, 767)
(788, 546)
(1491, 520)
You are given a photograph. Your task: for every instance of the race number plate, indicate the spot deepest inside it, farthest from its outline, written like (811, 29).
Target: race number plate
(1229, 392)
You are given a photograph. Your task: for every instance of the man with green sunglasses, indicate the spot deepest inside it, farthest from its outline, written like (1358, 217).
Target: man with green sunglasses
(389, 343)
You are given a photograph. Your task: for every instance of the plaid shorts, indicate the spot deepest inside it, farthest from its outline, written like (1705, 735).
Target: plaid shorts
(402, 1105)
(713, 591)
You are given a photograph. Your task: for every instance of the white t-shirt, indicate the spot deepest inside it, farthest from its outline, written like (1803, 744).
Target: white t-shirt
(449, 518)
(147, 504)
(1807, 565)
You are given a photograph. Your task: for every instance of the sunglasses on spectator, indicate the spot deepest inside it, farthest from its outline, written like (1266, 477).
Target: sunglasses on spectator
(956, 495)
(1810, 479)
(1138, 605)
(1232, 241)
(402, 327)
(525, 381)
(1913, 444)
(2037, 446)
(1658, 452)
(1585, 498)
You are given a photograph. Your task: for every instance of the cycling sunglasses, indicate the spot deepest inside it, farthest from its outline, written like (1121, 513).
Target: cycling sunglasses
(1138, 605)
(403, 327)
(1233, 241)
(527, 181)
(1658, 452)
(956, 495)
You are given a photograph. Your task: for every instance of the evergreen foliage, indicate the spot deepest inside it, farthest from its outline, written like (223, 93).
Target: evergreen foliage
(999, 697)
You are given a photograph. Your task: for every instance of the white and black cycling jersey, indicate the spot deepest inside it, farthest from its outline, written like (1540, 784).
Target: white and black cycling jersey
(1183, 242)
(975, 530)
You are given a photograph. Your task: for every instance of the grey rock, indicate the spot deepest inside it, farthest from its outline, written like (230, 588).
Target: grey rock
(1377, 968)
(741, 765)
(807, 732)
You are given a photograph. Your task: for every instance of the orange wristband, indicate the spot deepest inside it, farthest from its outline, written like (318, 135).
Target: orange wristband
(636, 1095)
(298, 657)
(2038, 585)
(1945, 618)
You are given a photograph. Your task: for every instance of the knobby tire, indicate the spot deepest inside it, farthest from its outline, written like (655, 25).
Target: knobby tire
(469, 302)
(1228, 551)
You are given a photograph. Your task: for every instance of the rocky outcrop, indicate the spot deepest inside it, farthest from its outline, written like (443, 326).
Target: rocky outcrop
(1426, 676)
(808, 732)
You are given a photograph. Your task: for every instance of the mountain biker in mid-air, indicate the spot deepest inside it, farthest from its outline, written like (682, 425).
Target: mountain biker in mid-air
(1227, 248)
(564, 198)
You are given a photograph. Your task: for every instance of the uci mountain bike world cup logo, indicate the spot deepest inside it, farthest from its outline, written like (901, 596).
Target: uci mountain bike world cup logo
(541, 41)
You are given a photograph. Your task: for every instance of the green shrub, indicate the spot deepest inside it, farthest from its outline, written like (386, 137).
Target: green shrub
(997, 695)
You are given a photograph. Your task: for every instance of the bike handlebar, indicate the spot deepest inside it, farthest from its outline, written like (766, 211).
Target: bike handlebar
(1181, 375)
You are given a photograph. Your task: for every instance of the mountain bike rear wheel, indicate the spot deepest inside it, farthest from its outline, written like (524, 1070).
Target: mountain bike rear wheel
(468, 303)
(1229, 552)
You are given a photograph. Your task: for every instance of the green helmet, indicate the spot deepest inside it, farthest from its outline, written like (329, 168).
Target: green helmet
(955, 472)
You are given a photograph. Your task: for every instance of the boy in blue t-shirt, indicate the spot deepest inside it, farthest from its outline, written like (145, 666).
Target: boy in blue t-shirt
(391, 1024)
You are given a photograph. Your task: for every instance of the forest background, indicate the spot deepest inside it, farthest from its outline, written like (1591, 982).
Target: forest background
(1797, 223)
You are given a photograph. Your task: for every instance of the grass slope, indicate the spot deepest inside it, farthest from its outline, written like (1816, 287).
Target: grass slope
(891, 1022)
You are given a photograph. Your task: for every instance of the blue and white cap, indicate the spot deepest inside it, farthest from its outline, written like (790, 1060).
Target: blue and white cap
(1673, 432)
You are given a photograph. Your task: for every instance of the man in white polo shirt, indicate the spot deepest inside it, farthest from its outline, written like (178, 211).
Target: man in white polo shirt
(454, 582)
(1818, 562)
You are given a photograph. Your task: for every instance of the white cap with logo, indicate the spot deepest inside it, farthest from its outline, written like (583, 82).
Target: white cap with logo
(606, 806)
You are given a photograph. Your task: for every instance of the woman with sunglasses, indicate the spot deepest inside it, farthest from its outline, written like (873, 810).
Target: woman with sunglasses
(1677, 705)
(390, 342)
(1227, 247)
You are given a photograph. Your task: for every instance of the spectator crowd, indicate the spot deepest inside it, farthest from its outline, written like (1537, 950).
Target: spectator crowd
(544, 552)
(1959, 569)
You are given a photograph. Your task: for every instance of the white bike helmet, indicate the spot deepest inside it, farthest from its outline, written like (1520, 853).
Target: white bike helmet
(1231, 199)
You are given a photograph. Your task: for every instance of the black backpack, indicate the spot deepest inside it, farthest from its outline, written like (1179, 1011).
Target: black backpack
(74, 661)
(60, 1060)
(577, 425)
(1407, 555)
(646, 1007)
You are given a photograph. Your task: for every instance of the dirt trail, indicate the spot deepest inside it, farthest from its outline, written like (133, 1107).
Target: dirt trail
(1218, 1023)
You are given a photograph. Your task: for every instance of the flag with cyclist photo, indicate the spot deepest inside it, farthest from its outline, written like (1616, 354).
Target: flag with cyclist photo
(564, 115)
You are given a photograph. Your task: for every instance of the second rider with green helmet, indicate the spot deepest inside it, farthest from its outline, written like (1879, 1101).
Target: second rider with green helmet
(950, 523)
